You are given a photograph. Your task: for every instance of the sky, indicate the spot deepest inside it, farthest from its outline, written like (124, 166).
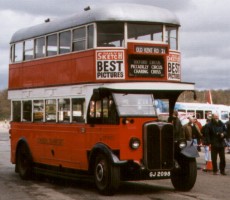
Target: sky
(204, 33)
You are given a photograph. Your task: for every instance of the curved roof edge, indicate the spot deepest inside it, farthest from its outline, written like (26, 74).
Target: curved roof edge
(110, 12)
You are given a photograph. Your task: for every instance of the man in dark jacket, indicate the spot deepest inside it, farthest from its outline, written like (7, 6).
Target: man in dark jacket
(228, 133)
(215, 134)
(174, 119)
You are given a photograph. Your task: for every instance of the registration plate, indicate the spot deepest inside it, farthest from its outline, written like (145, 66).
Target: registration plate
(159, 174)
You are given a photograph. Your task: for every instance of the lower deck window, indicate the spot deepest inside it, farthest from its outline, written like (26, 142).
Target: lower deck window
(16, 111)
(64, 110)
(27, 111)
(49, 110)
(38, 110)
(78, 110)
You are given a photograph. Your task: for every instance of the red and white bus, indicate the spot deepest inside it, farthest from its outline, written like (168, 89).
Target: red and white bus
(201, 111)
(82, 92)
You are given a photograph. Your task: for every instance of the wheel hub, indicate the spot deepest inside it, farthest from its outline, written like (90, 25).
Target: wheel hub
(99, 172)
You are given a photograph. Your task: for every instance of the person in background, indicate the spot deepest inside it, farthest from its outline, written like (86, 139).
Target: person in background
(205, 143)
(214, 135)
(177, 126)
(199, 135)
(228, 133)
(191, 131)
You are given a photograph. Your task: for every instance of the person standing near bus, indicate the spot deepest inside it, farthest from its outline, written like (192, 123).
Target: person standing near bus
(177, 126)
(215, 134)
(228, 133)
(199, 135)
(205, 143)
(191, 131)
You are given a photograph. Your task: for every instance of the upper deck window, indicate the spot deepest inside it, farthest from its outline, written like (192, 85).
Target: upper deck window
(52, 45)
(18, 52)
(29, 50)
(79, 39)
(171, 37)
(110, 34)
(64, 42)
(12, 53)
(40, 47)
(90, 31)
(147, 32)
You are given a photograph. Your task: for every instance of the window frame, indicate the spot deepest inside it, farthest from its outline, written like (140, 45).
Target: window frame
(28, 50)
(168, 38)
(43, 55)
(50, 53)
(59, 111)
(24, 111)
(82, 40)
(59, 41)
(111, 44)
(20, 52)
(43, 111)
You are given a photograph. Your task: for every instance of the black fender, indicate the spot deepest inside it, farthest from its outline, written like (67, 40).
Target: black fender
(104, 149)
(190, 151)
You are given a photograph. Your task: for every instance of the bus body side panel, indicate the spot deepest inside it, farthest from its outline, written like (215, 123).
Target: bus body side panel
(51, 144)
(61, 70)
(67, 145)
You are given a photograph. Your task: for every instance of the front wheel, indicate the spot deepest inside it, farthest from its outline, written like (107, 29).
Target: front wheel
(106, 175)
(24, 162)
(184, 177)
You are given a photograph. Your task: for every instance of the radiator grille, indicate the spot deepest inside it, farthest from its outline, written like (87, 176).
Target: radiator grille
(158, 146)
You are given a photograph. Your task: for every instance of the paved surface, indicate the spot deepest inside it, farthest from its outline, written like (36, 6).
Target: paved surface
(201, 161)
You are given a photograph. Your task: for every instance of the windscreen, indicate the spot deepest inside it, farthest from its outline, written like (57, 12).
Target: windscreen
(135, 104)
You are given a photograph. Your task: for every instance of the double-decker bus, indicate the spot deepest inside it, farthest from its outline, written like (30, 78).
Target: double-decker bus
(83, 92)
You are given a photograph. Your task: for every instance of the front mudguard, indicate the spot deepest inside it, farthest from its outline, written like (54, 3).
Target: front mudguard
(190, 150)
(101, 148)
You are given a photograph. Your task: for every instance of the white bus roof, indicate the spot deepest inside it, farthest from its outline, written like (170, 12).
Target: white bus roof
(111, 12)
(73, 90)
(199, 106)
(150, 86)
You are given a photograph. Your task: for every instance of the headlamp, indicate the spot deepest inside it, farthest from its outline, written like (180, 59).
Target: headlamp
(134, 143)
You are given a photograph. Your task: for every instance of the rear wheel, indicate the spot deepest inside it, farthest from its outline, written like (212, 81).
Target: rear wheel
(106, 175)
(184, 177)
(24, 162)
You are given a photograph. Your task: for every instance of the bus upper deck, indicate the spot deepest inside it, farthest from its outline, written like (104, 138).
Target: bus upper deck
(111, 44)
(109, 13)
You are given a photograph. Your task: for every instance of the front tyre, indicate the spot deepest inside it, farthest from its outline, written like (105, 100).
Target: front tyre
(24, 162)
(184, 177)
(106, 175)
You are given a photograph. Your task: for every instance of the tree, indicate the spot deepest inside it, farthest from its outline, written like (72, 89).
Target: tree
(218, 97)
(4, 105)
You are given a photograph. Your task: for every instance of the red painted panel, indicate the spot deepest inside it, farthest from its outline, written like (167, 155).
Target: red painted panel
(61, 70)
(67, 145)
